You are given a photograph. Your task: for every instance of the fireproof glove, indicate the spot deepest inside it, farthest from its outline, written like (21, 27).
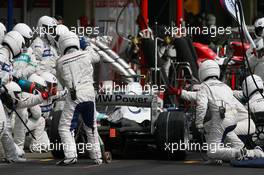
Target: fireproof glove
(176, 91)
(200, 128)
(45, 95)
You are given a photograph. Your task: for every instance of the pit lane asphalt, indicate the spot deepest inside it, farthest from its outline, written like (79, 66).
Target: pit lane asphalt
(45, 165)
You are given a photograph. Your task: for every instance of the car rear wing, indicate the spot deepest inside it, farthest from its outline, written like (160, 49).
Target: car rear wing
(146, 101)
(124, 100)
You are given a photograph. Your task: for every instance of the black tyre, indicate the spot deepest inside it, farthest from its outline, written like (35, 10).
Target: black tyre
(258, 136)
(57, 150)
(186, 53)
(170, 129)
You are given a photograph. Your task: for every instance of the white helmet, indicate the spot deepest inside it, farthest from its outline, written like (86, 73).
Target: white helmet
(14, 90)
(25, 31)
(208, 68)
(259, 27)
(251, 86)
(15, 42)
(47, 26)
(134, 88)
(37, 79)
(2, 32)
(49, 78)
(60, 30)
(51, 82)
(67, 40)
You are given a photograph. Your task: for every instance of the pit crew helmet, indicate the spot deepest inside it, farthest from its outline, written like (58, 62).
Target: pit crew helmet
(208, 68)
(68, 40)
(25, 31)
(15, 41)
(259, 27)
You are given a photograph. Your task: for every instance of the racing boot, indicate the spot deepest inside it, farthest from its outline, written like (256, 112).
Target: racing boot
(258, 152)
(98, 161)
(20, 152)
(14, 160)
(255, 153)
(12, 154)
(67, 161)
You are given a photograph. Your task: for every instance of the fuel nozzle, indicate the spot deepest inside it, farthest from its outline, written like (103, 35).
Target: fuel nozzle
(29, 87)
(26, 85)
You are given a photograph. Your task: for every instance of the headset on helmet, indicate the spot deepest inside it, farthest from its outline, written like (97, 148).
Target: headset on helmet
(251, 86)
(15, 42)
(47, 27)
(14, 90)
(259, 27)
(208, 68)
(25, 31)
(2, 32)
(68, 40)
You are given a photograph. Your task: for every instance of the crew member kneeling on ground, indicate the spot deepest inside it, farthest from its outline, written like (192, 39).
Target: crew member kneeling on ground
(218, 98)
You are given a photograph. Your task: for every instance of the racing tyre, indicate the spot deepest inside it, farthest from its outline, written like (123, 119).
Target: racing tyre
(258, 136)
(186, 53)
(55, 140)
(170, 132)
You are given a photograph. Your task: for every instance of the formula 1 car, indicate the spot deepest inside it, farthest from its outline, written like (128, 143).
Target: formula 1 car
(118, 137)
(143, 121)
(140, 127)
